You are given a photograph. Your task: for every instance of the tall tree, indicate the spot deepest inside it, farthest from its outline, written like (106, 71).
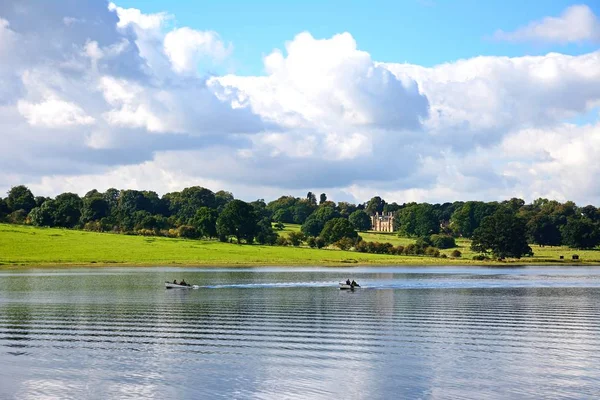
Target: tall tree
(94, 208)
(375, 205)
(311, 198)
(467, 218)
(205, 222)
(68, 210)
(360, 220)
(503, 234)
(543, 230)
(237, 219)
(322, 198)
(20, 198)
(580, 233)
(336, 229)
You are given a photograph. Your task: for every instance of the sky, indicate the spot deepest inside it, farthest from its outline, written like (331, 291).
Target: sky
(416, 100)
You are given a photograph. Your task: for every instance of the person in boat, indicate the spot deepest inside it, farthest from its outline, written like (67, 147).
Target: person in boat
(348, 282)
(175, 281)
(353, 284)
(183, 282)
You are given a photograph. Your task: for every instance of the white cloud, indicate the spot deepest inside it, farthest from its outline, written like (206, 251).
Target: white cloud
(328, 83)
(577, 24)
(325, 116)
(186, 47)
(53, 113)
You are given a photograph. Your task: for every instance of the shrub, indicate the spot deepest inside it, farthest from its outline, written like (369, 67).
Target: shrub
(281, 241)
(456, 254)
(443, 256)
(361, 247)
(443, 241)
(344, 243)
(399, 250)
(311, 242)
(296, 238)
(480, 257)
(188, 232)
(410, 249)
(320, 242)
(423, 242)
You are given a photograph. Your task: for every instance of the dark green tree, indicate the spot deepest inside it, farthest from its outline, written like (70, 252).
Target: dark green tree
(20, 198)
(503, 234)
(44, 215)
(238, 219)
(338, 228)
(68, 210)
(580, 233)
(316, 221)
(205, 222)
(360, 220)
(222, 198)
(376, 204)
(94, 208)
(265, 233)
(311, 198)
(542, 229)
(467, 218)
(322, 198)
(417, 220)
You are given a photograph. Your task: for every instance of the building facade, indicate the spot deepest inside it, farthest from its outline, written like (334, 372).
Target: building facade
(383, 222)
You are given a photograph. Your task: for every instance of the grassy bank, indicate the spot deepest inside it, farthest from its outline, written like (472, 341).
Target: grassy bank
(26, 245)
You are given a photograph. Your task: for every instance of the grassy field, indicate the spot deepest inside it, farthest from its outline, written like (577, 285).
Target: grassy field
(26, 245)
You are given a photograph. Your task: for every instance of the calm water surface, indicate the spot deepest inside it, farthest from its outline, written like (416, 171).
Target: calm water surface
(273, 333)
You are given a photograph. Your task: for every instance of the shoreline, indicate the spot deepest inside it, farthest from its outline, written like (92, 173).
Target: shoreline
(225, 264)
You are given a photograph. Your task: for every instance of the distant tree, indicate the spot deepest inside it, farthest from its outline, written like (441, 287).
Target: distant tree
(238, 219)
(376, 204)
(316, 221)
(20, 198)
(296, 238)
(443, 241)
(503, 234)
(360, 220)
(580, 233)
(417, 220)
(322, 198)
(94, 208)
(39, 200)
(260, 207)
(467, 218)
(222, 198)
(44, 215)
(68, 210)
(265, 233)
(205, 222)
(3, 209)
(184, 204)
(336, 229)
(591, 212)
(312, 227)
(112, 198)
(542, 229)
(301, 211)
(346, 208)
(311, 198)
(284, 215)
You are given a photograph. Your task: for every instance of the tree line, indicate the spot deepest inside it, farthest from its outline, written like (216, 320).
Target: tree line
(503, 229)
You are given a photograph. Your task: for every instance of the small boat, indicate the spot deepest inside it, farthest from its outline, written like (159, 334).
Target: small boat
(170, 285)
(345, 286)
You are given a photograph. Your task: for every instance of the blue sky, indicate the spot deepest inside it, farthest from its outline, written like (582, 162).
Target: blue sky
(271, 98)
(424, 32)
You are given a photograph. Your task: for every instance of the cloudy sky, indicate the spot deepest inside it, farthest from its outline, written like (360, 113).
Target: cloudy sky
(415, 100)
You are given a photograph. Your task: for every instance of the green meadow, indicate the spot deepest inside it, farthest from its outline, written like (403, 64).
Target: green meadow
(31, 246)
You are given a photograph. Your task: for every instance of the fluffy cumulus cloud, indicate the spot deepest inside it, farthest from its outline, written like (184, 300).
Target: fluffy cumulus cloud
(121, 99)
(577, 24)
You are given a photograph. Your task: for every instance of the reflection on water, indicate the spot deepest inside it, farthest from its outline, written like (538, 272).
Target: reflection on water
(283, 333)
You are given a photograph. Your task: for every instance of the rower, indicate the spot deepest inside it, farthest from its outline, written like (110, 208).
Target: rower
(175, 281)
(348, 282)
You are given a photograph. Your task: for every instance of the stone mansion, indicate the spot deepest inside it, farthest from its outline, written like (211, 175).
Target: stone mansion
(383, 222)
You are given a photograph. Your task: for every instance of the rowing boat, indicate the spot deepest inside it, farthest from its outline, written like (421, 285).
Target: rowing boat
(345, 286)
(169, 285)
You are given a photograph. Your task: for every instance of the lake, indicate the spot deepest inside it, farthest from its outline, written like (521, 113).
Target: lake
(274, 333)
